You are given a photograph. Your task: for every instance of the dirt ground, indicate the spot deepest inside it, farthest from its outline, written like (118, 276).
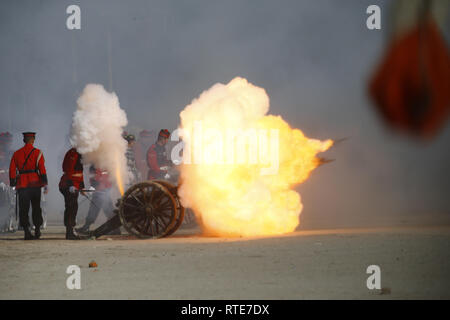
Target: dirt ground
(319, 264)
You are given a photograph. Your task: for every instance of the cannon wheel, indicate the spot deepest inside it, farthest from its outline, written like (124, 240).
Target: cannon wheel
(148, 210)
(180, 217)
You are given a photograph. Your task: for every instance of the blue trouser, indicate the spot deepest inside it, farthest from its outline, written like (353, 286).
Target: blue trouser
(101, 201)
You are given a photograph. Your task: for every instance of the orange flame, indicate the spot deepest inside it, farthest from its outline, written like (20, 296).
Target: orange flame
(236, 199)
(118, 175)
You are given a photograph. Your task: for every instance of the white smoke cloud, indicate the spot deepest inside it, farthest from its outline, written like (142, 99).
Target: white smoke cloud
(97, 127)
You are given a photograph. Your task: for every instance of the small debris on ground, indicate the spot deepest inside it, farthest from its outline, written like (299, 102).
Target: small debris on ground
(93, 264)
(385, 291)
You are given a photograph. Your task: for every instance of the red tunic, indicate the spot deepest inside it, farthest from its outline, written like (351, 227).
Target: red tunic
(152, 162)
(156, 158)
(27, 176)
(99, 179)
(73, 171)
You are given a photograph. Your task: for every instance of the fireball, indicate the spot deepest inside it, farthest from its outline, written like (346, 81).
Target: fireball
(240, 165)
(118, 172)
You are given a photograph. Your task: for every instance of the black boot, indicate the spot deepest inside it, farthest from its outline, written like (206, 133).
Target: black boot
(37, 233)
(28, 235)
(84, 229)
(70, 235)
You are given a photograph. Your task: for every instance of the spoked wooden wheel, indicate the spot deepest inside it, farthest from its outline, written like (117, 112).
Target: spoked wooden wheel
(180, 216)
(148, 210)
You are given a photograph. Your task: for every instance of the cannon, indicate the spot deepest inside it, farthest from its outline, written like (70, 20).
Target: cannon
(149, 209)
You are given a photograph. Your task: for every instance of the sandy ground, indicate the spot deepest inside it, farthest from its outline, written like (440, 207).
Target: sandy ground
(319, 264)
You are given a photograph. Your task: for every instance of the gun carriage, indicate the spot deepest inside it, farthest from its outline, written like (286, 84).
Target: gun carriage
(149, 209)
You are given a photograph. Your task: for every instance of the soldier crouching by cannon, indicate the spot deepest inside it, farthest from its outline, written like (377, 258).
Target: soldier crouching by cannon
(101, 200)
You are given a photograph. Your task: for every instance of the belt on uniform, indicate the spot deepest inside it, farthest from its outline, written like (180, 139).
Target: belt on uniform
(27, 171)
(75, 175)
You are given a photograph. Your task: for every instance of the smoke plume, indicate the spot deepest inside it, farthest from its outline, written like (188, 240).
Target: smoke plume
(97, 127)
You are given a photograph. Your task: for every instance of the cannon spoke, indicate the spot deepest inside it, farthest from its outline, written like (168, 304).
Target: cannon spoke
(144, 195)
(164, 203)
(146, 224)
(132, 206)
(160, 221)
(165, 206)
(167, 210)
(158, 198)
(150, 228)
(165, 222)
(138, 223)
(133, 218)
(155, 228)
(163, 214)
(139, 219)
(137, 200)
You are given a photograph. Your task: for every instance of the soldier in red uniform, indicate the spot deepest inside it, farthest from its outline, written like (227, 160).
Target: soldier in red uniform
(70, 185)
(157, 161)
(101, 199)
(27, 173)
